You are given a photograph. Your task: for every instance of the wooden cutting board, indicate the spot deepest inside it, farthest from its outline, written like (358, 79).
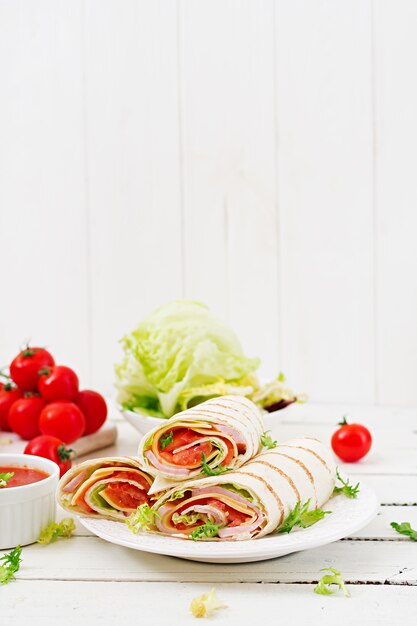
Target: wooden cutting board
(106, 436)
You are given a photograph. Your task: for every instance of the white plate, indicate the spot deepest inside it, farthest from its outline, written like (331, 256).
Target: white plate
(348, 516)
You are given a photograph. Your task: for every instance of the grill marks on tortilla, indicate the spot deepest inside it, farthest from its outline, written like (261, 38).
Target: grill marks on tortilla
(235, 400)
(318, 457)
(244, 417)
(278, 471)
(300, 464)
(270, 489)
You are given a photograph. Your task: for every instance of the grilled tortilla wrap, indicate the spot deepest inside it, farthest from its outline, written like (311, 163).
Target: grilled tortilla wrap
(252, 501)
(223, 431)
(110, 487)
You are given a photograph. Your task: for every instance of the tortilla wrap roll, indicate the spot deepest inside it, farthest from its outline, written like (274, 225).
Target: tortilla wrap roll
(221, 432)
(252, 501)
(111, 487)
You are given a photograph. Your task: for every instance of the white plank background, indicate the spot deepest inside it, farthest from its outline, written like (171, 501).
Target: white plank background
(256, 155)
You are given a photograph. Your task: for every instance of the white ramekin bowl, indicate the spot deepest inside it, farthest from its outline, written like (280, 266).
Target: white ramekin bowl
(25, 510)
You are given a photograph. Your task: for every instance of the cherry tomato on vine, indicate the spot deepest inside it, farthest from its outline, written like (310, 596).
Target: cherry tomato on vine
(58, 383)
(24, 416)
(51, 448)
(351, 442)
(25, 367)
(8, 396)
(94, 407)
(62, 419)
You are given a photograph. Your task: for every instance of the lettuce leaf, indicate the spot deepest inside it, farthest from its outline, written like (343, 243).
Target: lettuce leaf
(178, 356)
(189, 520)
(98, 500)
(276, 394)
(206, 604)
(239, 490)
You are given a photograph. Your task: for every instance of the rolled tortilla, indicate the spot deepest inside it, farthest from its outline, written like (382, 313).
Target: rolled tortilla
(252, 501)
(226, 430)
(110, 487)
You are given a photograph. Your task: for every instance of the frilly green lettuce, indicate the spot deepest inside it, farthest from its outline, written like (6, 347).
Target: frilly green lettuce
(178, 356)
(181, 355)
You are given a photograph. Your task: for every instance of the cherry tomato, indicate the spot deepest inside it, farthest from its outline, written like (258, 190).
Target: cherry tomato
(24, 416)
(94, 407)
(51, 448)
(8, 396)
(58, 383)
(25, 367)
(351, 441)
(62, 419)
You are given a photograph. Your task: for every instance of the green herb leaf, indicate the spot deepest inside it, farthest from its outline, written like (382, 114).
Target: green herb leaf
(267, 441)
(347, 489)
(53, 531)
(5, 477)
(205, 530)
(405, 529)
(335, 578)
(165, 440)
(302, 517)
(212, 472)
(11, 565)
(143, 518)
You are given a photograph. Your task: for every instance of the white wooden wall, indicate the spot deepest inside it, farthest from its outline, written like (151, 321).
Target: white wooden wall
(256, 155)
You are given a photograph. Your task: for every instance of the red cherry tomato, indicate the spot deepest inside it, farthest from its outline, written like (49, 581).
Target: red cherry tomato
(351, 441)
(25, 367)
(51, 448)
(8, 396)
(62, 419)
(58, 383)
(24, 416)
(94, 407)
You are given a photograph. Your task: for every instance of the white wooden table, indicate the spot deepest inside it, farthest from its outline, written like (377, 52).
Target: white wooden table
(85, 580)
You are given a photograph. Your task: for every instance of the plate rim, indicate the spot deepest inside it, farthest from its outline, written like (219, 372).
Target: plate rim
(234, 551)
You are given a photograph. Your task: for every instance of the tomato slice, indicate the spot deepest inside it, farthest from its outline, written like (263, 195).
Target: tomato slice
(132, 476)
(124, 495)
(230, 453)
(189, 457)
(180, 437)
(192, 456)
(82, 504)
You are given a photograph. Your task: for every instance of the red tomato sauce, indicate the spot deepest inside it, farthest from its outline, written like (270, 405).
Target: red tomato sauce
(23, 476)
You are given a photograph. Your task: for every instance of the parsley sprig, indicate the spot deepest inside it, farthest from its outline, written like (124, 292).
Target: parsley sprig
(405, 529)
(302, 517)
(334, 578)
(5, 477)
(207, 530)
(267, 441)
(212, 472)
(166, 439)
(347, 489)
(10, 566)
